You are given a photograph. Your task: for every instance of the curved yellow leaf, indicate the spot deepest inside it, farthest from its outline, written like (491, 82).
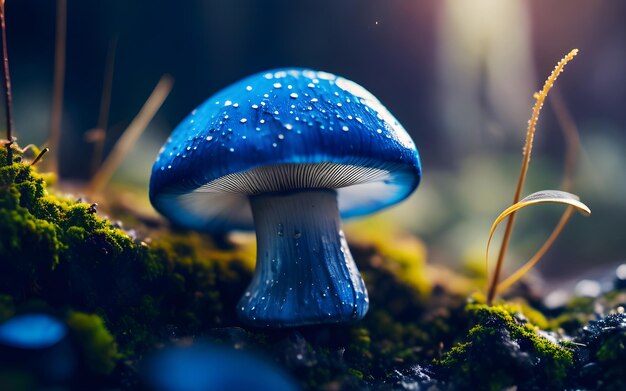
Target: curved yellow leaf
(540, 197)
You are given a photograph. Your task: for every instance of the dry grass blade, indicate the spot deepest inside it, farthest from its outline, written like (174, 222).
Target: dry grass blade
(540, 98)
(525, 268)
(540, 197)
(572, 139)
(131, 135)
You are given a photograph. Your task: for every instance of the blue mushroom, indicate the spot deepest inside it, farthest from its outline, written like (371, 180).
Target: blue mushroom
(287, 152)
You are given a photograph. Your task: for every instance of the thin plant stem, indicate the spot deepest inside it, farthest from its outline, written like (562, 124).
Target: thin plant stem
(530, 134)
(105, 105)
(572, 142)
(7, 86)
(58, 84)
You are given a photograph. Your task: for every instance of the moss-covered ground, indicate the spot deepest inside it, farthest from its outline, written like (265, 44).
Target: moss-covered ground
(125, 295)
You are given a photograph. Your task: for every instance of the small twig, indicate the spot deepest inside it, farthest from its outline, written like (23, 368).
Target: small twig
(131, 134)
(59, 81)
(530, 134)
(39, 156)
(7, 86)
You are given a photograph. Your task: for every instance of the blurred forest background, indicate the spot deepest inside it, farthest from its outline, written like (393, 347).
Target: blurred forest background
(459, 75)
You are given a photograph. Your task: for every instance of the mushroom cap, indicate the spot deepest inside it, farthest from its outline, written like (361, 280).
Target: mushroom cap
(282, 130)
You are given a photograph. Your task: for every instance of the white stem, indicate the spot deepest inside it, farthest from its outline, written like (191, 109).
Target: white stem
(305, 273)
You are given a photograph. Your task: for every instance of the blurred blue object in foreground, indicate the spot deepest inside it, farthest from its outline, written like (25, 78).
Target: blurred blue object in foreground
(37, 344)
(211, 367)
(32, 331)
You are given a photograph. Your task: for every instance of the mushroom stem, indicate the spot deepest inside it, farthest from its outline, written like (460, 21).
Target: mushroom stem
(305, 273)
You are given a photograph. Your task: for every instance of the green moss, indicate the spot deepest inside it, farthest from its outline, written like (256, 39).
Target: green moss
(60, 251)
(57, 251)
(503, 350)
(98, 347)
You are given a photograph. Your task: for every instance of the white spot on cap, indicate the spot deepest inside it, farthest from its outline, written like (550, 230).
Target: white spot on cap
(293, 95)
(288, 126)
(249, 88)
(228, 103)
(243, 120)
(314, 100)
(344, 128)
(277, 85)
(209, 138)
(268, 76)
(325, 76)
(255, 106)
